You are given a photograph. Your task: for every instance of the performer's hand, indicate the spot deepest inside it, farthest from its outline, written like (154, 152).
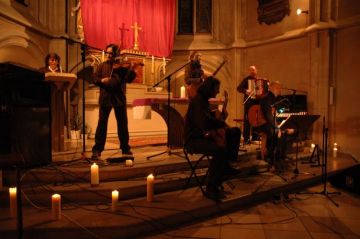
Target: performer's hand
(279, 134)
(105, 80)
(290, 131)
(248, 92)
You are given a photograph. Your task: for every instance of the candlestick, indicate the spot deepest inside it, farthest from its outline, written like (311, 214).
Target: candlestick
(13, 202)
(150, 188)
(164, 65)
(56, 206)
(335, 152)
(182, 92)
(129, 163)
(94, 174)
(114, 200)
(152, 64)
(102, 56)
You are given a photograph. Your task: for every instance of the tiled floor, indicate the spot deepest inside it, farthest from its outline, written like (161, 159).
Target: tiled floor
(301, 217)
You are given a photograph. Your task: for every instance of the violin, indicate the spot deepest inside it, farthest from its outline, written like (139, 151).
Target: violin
(117, 63)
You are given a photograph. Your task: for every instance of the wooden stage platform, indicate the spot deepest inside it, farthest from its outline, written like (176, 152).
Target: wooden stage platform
(86, 210)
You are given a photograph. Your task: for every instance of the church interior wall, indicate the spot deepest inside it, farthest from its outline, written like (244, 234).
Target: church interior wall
(295, 51)
(346, 111)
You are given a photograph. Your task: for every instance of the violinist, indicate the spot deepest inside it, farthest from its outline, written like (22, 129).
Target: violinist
(111, 76)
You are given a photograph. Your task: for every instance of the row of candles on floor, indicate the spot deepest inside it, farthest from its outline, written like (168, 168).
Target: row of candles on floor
(56, 198)
(335, 149)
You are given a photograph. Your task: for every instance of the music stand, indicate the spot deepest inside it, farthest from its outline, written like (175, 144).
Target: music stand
(168, 79)
(324, 192)
(301, 123)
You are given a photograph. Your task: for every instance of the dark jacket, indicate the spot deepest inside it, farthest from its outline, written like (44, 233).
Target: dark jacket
(266, 106)
(199, 118)
(114, 93)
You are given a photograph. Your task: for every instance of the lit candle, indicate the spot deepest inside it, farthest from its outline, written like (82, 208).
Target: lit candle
(152, 64)
(56, 206)
(102, 56)
(312, 148)
(129, 163)
(164, 65)
(335, 145)
(150, 188)
(335, 152)
(13, 202)
(114, 200)
(94, 174)
(182, 92)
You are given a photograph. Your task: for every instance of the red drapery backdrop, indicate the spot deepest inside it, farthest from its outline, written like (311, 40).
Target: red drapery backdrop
(103, 18)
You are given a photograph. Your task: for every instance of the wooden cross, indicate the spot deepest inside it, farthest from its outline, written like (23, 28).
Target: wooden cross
(122, 29)
(136, 35)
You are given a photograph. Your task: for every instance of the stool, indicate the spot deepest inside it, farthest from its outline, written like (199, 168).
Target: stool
(193, 167)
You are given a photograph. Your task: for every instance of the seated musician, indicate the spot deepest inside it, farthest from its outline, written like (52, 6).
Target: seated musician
(194, 74)
(270, 131)
(206, 134)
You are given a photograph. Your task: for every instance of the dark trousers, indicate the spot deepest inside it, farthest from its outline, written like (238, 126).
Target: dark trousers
(233, 136)
(122, 128)
(217, 162)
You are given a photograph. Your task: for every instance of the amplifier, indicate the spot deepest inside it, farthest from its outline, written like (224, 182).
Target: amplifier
(348, 180)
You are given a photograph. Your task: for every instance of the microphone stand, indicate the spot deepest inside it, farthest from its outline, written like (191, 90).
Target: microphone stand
(168, 79)
(83, 48)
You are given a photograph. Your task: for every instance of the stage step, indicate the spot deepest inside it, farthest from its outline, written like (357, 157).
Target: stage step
(89, 207)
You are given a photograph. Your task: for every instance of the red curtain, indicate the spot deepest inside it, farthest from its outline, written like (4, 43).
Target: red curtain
(103, 18)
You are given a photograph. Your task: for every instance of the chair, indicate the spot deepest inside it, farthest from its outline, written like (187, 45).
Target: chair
(194, 166)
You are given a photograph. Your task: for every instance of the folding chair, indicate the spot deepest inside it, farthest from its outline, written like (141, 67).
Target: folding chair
(193, 166)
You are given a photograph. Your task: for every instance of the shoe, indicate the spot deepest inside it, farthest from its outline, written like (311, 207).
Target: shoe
(230, 171)
(127, 152)
(95, 155)
(213, 193)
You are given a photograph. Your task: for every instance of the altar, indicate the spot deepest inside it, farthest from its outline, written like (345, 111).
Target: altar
(155, 126)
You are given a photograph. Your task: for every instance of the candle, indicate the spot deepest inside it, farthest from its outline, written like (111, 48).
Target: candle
(182, 92)
(56, 206)
(335, 145)
(102, 56)
(164, 65)
(129, 163)
(114, 200)
(150, 188)
(335, 152)
(13, 202)
(312, 148)
(94, 174)
(152, 64)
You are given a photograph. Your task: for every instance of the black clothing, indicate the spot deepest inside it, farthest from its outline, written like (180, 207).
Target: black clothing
(198, 121)
(242, 87)
(270, 127)
(112, 95)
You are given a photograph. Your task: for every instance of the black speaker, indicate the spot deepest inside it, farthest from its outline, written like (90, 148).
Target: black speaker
(25, 133)
(348, 180)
